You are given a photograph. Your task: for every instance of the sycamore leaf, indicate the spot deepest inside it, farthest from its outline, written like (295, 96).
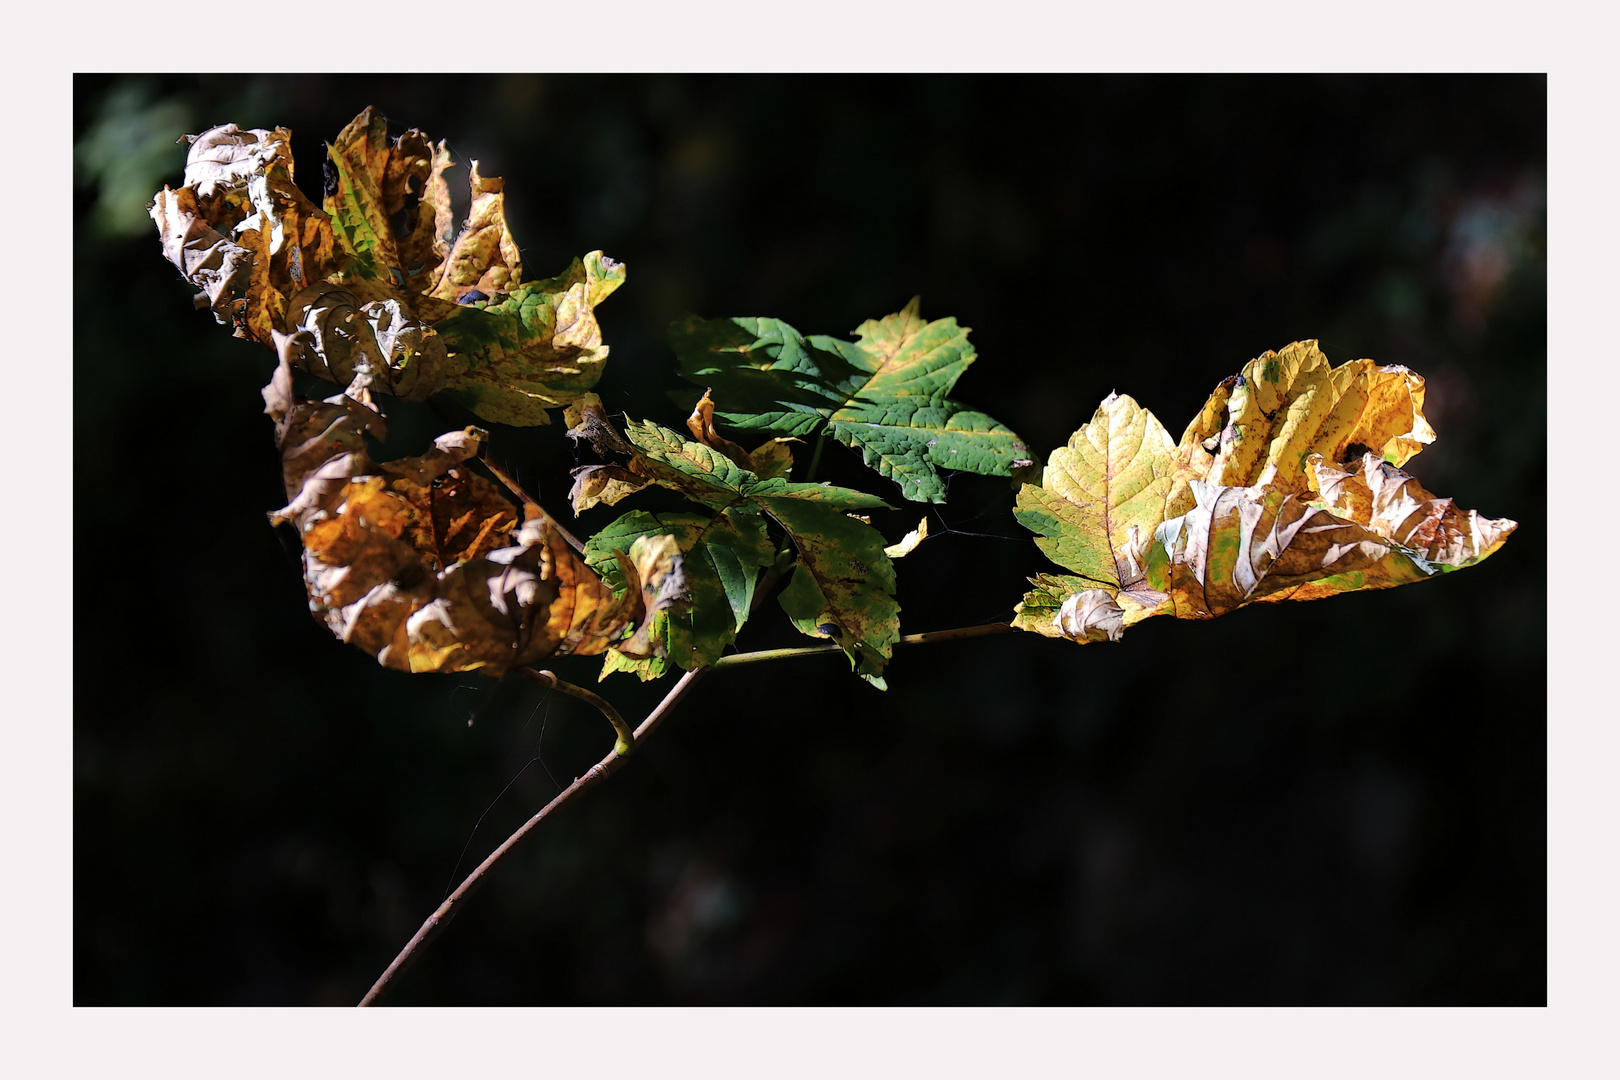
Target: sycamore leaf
(843, 584)
(1102, 495)
(425, 565)
(885, 394)
(336, 336)
(1396, 506)
(241, 230)
(539, 347)
(1286, 486)
(374, 196)
(723, 555)
(485, 257)
(372, 282)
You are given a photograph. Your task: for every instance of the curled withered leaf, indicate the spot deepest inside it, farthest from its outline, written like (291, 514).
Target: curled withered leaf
(908, 543)
(485, 257)
(389, 205)
(1090, 615)
(1286, 486)
(371, 279)
(224, 159)
(405, 357)
(1261, 425)
(425, 565)
(1393, 504)
(610, 482)
(772, 458)
(204, 256)
(239, 187)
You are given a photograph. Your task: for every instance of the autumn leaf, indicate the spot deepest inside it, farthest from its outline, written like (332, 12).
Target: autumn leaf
(426, 566)
(909, 542)
(885, 394)
(390, 205)
(770, 459)
(1102, 495)
(373, 280)
(485, 258)
(241, 230)
(535, 348)
(843, 584)
(1261, 425)
(1286, 486)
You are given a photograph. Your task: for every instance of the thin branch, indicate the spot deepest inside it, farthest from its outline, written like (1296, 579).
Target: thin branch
(738, 659)
(611, 764)
(627, 738)
(598, 772)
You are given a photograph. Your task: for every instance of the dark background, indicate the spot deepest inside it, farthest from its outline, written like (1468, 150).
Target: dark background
(1328, 803)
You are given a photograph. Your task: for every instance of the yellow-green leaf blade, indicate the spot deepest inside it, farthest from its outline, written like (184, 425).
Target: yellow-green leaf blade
(843, 584)
(537, 349)
(1102, 495)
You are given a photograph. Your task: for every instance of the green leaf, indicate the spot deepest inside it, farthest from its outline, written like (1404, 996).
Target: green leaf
(843, 582)
(843, 585)
(723, 555)
(885, 394)
(538, 348)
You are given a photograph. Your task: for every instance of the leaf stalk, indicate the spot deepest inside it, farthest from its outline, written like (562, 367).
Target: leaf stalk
(738, 659)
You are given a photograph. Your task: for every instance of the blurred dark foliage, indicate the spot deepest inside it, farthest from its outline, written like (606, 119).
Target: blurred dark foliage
(1330, 803)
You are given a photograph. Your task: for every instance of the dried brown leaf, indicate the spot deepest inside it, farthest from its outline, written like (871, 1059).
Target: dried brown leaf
(425, 565)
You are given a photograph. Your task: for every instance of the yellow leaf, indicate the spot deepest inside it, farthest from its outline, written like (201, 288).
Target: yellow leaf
(485, 256)
(1102, 495)
(1285, 406)
(908, 543)
(1286, 486)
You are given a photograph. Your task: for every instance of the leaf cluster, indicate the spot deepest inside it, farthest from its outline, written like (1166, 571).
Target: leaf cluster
(1288, 484)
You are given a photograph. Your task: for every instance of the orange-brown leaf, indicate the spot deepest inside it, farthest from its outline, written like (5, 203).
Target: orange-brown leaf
(425, 565)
